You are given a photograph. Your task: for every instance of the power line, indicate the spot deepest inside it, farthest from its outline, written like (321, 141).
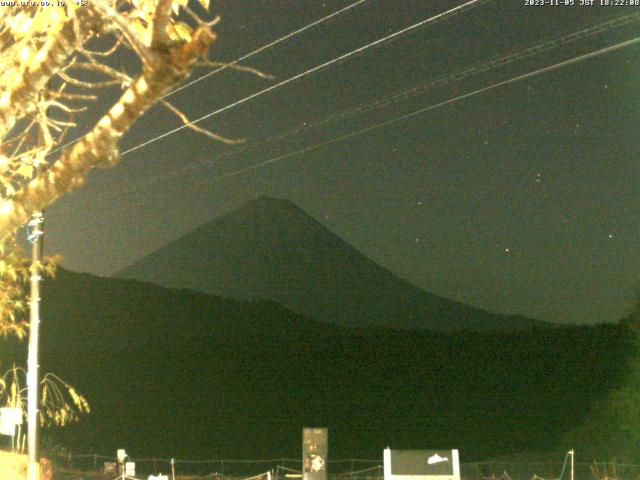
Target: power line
(437, 82)
(433, 19)
(457, 76)
(244, 57)
(519, 78)
(400, 118)
(267, 46)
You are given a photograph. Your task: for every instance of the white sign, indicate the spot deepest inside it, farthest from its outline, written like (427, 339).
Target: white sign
(9, 418)
(121, 454)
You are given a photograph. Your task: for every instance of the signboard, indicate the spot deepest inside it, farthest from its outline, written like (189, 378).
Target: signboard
(130, 469)
(314, 453)
(9, 418)
(421, 465)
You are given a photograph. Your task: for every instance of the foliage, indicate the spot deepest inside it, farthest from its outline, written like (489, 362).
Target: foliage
(610, 429)
(634, 308)
(611, 423)
(52, 73)
(60, 404)
(13, 275)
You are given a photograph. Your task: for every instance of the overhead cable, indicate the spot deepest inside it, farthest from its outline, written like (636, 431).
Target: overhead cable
(400, 118)
(414, 91)
(420, 111)
(441, 16)
(245, 57)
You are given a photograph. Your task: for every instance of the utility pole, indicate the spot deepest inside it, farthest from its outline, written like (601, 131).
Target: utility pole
(36, 224)
(35, 236)
(572, 453)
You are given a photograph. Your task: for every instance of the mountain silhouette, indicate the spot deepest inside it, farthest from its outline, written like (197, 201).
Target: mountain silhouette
(269, 249)
(178, 373)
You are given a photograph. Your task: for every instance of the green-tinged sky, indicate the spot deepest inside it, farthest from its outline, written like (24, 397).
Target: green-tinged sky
(521, 199)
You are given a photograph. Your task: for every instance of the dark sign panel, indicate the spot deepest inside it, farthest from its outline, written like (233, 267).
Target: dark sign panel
(314, 453)
(421, 462)
(421, 465)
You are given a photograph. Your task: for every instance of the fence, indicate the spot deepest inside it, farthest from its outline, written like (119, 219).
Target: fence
(75, 466)
(549, 471)
(89, 467)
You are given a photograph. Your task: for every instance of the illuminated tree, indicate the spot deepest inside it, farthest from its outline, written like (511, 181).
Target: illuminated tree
(51, 69)
(60, 403)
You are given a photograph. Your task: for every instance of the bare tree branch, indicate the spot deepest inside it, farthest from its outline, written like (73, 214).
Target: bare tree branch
(198, 129)
(105, 70)
(235, 66)
(35, 71)
(99, 147)
(81, 83)
(145, 54)
(159, 37)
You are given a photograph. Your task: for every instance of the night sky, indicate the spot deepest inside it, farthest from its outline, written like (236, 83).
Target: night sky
(522, 199)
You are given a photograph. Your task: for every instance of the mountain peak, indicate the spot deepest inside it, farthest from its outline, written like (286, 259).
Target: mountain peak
(266, 204)
(275, 217)
(266, 201)
(270, 249)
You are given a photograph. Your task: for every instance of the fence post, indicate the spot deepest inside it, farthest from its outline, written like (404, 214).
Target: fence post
(95, 462)
(173, 469)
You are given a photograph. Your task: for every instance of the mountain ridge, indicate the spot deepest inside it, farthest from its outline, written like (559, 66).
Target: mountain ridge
(179, 373)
